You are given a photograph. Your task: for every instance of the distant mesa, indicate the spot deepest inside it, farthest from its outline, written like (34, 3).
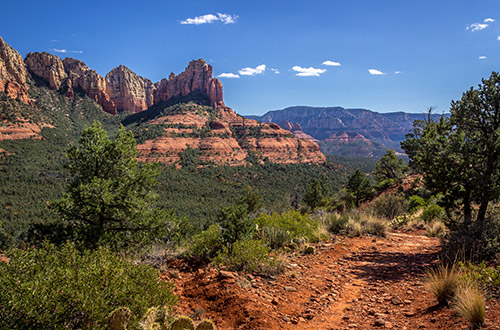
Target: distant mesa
(348, 132)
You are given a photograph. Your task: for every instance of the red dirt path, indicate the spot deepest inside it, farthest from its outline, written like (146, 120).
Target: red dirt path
(349, 283)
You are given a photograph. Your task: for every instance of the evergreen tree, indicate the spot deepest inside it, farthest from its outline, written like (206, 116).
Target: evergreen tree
(359, 186)
(460, 155)
(314, 195)
(389, 168)
(110, 199)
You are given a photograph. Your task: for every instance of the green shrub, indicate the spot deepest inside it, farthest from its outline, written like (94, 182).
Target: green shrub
(336, 222)
(488, 277)
(235, 223)
(415, 202)
(206, 244)
(299, 225)
(432, 212)
(249, 256)
(389, 206)
(57, 288)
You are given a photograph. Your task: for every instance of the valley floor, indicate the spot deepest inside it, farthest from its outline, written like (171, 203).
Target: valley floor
(349, 283)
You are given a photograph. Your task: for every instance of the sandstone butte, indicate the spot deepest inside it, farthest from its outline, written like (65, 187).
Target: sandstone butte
(122, 90)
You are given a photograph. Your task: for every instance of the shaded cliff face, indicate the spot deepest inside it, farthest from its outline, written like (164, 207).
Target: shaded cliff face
(220, 136)
(130, 92)
(13, 73)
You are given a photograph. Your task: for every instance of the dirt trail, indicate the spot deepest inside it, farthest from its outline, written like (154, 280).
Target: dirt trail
(349, 283)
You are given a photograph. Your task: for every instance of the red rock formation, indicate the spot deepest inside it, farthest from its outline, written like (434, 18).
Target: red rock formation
(90, 82)
(130, 92)
(196, 78)
(13, 74)
(220, 146)
(47, 66)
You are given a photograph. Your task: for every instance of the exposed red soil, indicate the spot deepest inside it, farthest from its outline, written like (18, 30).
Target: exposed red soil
(349, 283)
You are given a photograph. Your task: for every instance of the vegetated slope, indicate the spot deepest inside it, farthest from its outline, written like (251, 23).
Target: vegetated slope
(362, 283)
(349, 132)
(32, 169)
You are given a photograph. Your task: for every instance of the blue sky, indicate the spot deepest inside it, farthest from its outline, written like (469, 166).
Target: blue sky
(437, 47)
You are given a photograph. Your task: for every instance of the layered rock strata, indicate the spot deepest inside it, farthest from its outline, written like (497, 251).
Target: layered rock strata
(13, 73)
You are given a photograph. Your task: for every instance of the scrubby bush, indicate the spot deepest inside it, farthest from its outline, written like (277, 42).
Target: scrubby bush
(295, 223)
(389, 206)
(206, 244)
(336, 222)
(415, 203)
(474, 241)
(250, 256)
(432, 212)
(57, 288)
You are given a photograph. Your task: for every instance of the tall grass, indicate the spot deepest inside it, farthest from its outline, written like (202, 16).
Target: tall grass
(469, 303)
(443, 282)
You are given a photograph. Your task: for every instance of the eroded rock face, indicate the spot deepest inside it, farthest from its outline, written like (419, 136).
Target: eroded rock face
(130, 92)
(13, 73)
(90, 82)
(230, 141)
(196, 78)
(47, 66)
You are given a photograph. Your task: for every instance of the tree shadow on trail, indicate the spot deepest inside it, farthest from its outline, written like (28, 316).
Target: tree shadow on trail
(391, 266)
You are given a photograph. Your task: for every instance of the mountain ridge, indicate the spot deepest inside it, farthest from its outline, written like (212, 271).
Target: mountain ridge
(172, 116)
(375, 132)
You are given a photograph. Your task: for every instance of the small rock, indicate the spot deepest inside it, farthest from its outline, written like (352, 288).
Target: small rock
(410, 314)
(290, 289)
(396, 300)
(379, 322)
(225, 274)
(286, 318)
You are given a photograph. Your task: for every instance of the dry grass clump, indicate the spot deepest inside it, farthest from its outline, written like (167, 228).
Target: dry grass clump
(436, 229)
(443, 282)
(469, 303)
(366, 224)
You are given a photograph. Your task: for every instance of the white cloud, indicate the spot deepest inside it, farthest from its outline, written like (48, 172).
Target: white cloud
(397, 72)
(276, 71)
(228, 75)
(498, 38)
(253, 71)
(331, 63)
(211, 18)
(482, 57)
(476, 27)
(65, 51)
(376, 72)
(488, 20)
(308, 72)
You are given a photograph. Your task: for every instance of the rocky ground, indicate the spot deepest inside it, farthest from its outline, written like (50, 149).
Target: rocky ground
(349, 283)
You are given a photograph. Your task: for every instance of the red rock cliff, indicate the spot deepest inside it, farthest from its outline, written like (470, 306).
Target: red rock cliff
(129, 91)
(196, 78)
(13, 73)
